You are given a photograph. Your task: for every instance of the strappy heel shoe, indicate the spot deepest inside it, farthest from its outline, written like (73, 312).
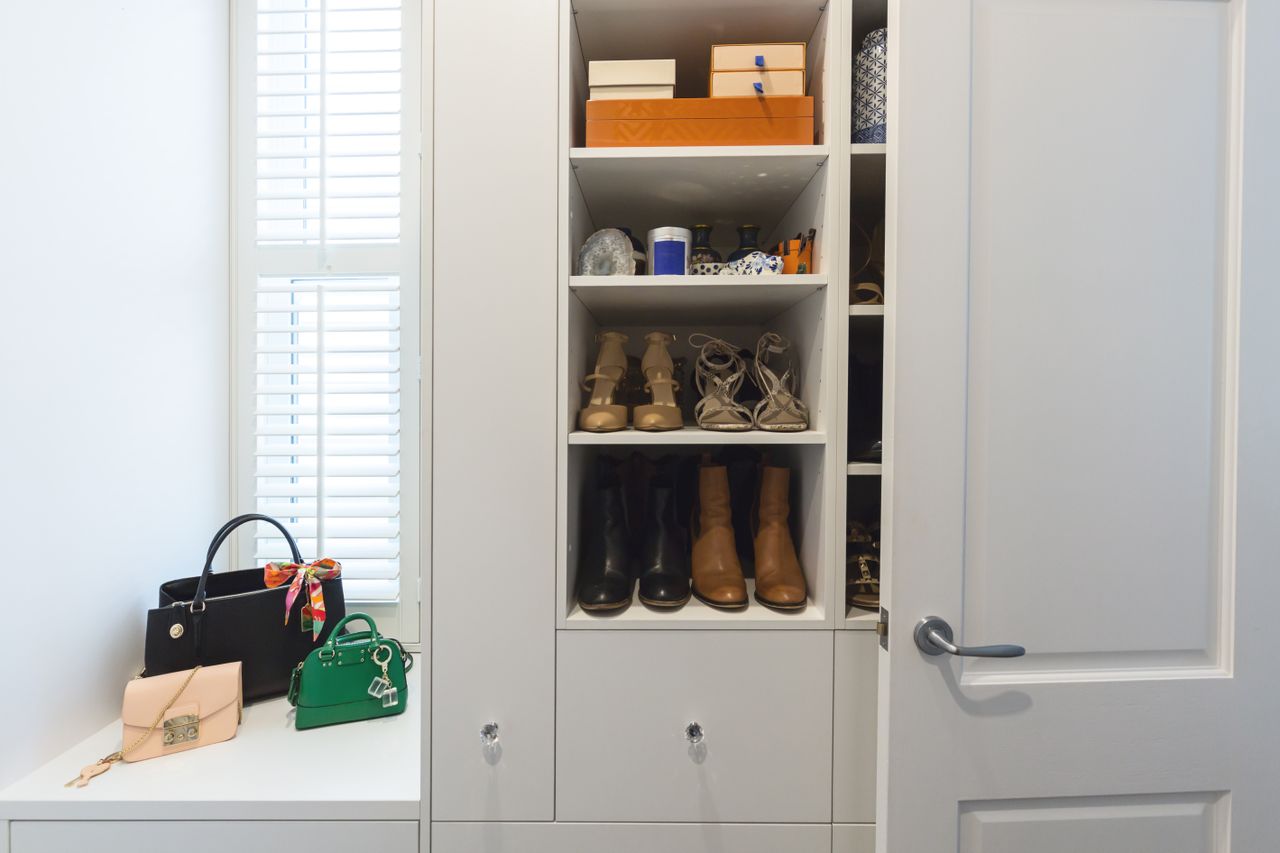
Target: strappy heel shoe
(602, 414)
(719, 374)
(780, 410)
(663, 413)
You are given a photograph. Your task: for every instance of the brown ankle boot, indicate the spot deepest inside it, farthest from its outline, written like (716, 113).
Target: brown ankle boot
(779, 580)
(717, 573)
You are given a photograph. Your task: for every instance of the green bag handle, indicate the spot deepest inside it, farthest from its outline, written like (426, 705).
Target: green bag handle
(363, 617)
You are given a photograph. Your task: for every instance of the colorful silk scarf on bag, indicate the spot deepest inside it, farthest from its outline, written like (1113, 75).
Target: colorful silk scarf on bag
(312, 574)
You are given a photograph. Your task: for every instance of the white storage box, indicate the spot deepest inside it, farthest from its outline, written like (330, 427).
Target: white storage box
(619, 93)
(631, 72)
(758, 57)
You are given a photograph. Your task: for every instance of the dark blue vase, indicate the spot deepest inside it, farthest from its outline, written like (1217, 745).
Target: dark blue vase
(748, 242)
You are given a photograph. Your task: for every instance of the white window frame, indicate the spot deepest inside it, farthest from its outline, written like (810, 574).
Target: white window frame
(402, 619)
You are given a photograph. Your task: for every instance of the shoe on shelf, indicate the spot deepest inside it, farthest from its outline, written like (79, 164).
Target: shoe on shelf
(664, 556)
(602, 412)
(780, 582)
(719, 374)
(662, 413)
(862, 566)
(605, 582)
(717, 572)
(780, 409)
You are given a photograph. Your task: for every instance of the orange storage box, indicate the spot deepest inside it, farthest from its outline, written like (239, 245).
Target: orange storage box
(700, 121)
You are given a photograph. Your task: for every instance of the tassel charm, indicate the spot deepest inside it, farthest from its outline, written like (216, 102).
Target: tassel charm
(87, 774)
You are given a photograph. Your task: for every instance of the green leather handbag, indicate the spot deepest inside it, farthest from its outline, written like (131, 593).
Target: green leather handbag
(358, 676)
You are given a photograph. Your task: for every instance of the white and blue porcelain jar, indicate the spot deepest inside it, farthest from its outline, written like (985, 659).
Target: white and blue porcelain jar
(870, 76)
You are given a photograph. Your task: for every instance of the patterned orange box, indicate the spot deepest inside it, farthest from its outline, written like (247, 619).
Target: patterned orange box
(700, 121)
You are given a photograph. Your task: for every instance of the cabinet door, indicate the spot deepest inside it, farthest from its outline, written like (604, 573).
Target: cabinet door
(494, 416)
(854, 733)
(633, 838)
(1085, 415)
(762, 702)
(218, 836)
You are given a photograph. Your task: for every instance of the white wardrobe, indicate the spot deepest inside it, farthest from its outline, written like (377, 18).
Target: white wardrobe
(1079, 386)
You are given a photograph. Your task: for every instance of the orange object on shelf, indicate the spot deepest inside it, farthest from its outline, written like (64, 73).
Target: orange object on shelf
(700, 121)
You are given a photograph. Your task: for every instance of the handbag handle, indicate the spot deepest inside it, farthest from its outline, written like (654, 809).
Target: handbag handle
(197, 603)
(363, 617)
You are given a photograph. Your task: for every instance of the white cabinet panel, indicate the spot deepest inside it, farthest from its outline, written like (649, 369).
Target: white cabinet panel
(213, 836)
(853, 838)
(494, 416)
(763, 700)
(854, 733)
(631, 838)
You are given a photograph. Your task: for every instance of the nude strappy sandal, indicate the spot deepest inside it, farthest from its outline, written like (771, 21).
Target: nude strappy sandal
(602, 414)
(659, 382)
(719, 374)
(780, 410)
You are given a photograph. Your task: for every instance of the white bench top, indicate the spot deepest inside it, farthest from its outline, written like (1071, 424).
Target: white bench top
(370, 770)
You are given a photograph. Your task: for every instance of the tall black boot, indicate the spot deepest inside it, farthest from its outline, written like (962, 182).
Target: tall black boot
(604, 570)
(664, 556)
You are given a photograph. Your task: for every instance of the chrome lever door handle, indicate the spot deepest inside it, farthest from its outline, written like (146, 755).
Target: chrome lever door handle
(934, 637)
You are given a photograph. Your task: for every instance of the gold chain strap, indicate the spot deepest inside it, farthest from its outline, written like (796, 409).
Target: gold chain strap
(104, 764)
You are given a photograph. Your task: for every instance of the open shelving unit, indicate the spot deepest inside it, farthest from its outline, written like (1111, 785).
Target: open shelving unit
(784, 189)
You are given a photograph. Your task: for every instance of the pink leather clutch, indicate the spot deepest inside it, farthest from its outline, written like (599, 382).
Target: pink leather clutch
(205, 711)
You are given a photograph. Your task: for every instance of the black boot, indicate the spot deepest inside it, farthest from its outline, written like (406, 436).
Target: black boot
(604, 572)
(664, 556)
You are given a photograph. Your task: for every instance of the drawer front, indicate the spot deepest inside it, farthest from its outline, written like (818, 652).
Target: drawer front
(736, 84)
(215, 836)
(854, 736)
(853, 838)
(762, 699)
(630, 838)
(742, 57)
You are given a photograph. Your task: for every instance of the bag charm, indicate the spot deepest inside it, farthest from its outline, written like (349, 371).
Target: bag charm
(381, 687)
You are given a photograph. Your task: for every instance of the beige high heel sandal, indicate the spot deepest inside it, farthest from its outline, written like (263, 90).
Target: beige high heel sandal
(659, 382)
(780, 410)
(601, 414)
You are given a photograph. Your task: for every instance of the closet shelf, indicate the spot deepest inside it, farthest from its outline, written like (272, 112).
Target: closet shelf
(866, 310)
(722, 300)
(644, 188)
(868, 149)
(692, 435)
(856, 619)
(696, 615)
(864, 469)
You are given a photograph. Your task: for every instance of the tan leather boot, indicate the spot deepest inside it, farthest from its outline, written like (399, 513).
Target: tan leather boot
(779, 579)
(717, 573)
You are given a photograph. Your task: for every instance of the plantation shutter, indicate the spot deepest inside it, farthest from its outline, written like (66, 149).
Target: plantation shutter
(333, 267)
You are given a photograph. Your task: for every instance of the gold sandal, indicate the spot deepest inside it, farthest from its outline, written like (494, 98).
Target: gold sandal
(602, 414)
(659, 382)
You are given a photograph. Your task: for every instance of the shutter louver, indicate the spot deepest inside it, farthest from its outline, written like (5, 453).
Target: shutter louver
(327, 329)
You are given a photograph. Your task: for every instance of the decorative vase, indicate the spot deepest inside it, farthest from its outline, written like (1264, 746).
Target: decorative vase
(637, 251)
(748, 242)
(869, 76)
(702, 253)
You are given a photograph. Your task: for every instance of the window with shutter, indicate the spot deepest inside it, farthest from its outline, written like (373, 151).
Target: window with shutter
(329, 305)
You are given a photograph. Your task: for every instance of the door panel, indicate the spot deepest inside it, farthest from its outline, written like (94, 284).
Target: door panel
(854, 736)
(1084, 415)
(762, 698)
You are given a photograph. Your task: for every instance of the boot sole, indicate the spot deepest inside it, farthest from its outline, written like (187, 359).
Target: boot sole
(720, 605)
(605, 608)
(664, 605)
(789, 607)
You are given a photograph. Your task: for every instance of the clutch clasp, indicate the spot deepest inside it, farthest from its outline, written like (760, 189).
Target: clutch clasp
(180, 730)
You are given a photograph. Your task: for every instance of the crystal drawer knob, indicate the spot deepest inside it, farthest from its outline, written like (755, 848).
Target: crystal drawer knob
(489, 734)
(694, 733)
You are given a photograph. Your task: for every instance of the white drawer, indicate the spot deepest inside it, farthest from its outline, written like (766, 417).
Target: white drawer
(740, 84)
(742, 57)
(854, 737)
(853, 838)
(216, 836)
(630, 838)
(762, 698)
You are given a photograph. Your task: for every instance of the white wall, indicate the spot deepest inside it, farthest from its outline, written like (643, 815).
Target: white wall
(113, 343)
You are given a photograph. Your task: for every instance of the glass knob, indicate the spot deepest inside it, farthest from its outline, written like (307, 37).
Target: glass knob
(694, 733)
(489, 734)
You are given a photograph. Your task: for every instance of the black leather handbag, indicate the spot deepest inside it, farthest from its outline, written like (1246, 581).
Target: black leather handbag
(235, 616)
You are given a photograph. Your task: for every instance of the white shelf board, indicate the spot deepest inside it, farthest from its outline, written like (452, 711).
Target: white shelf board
(268, 771)
(866, 310)
(723, 300)
(696, 615)
(694, 435)
(864, 469)
(857, 619)
(722, 186)
(868, 149)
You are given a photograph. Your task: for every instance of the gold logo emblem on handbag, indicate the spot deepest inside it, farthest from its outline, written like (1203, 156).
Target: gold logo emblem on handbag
(176, 630)
(179, 730)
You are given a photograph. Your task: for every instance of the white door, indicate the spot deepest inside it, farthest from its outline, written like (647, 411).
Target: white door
(1085, 428)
